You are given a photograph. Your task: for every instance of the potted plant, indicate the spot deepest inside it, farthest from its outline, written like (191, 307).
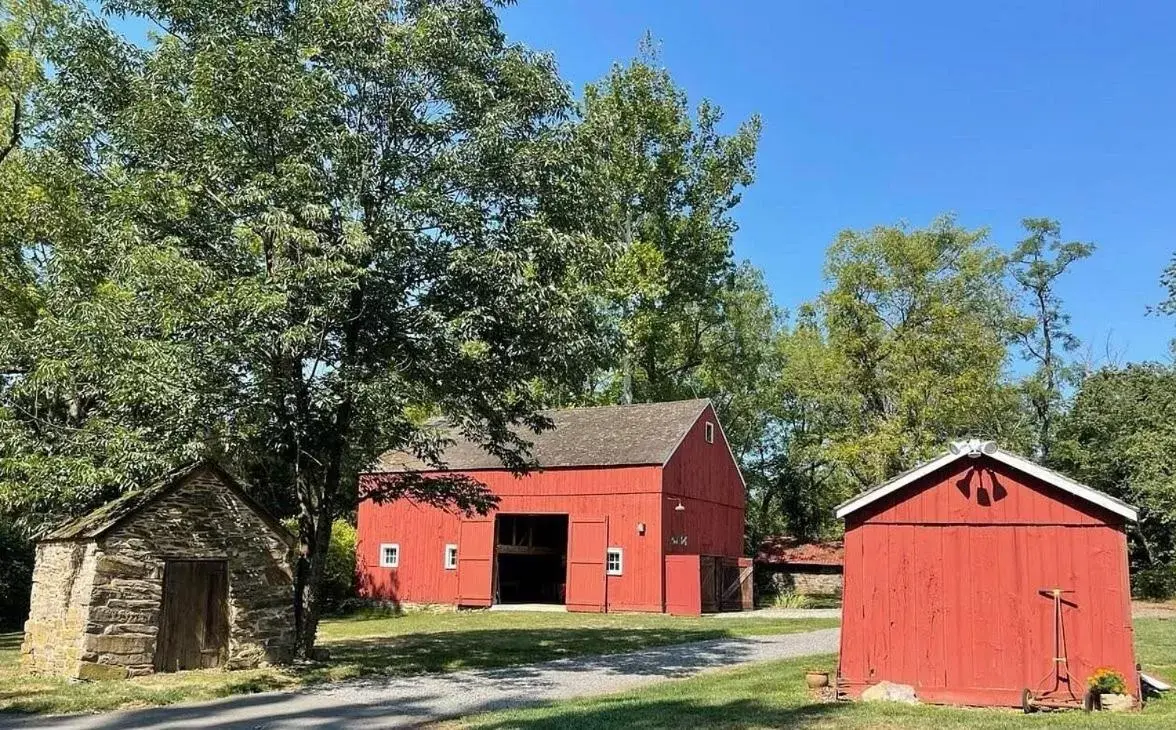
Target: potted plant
(1108, 685)
(816, 678)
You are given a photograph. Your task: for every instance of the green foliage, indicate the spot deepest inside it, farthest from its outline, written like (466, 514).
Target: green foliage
(338, 586)
(16, 575)
(1120, 437)
(1107, 680)
(286, 235)
(1042, 332)
(916, 318)
(663, 181)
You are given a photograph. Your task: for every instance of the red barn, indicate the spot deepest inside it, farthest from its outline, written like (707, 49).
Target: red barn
(633, 508)
(949, 570)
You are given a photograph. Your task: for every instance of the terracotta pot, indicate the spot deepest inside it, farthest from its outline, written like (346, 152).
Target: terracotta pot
(815, 679)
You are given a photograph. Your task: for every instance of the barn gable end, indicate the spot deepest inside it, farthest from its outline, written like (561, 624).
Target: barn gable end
(982, 491)
(951, 576)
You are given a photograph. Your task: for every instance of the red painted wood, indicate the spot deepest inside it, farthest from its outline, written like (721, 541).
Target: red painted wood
(943, 581)
(703, 476)
(475, 563)
(587, 543)
(683, 585)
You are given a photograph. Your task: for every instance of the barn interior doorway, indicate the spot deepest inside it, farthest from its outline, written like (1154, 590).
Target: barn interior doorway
(531, 558)
(194, 619)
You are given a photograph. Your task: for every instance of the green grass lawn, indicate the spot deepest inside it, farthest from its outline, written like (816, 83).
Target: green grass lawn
(377, 644)
(773, 695)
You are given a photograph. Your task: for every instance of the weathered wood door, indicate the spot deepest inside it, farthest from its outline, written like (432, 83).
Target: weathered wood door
(475, 562)
(587, 549)
(194, 620)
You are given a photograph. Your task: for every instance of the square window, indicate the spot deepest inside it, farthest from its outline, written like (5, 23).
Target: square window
(389, 556)
(451, 557)
(710, 432)
(614, 562)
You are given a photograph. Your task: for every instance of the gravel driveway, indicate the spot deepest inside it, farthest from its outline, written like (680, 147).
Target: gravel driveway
(404, 702)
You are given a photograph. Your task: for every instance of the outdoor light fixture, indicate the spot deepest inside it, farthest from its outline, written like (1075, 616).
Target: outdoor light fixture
(640, 528)
(681, 507)
(972, 448)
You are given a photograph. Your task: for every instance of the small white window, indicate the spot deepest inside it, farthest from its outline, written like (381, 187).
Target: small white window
(710, 432)
(614, 562)
(389, 556)
(451, 557)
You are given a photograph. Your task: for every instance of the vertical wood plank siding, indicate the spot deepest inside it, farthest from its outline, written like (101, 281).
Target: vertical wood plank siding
(943, 581)
(702, 474)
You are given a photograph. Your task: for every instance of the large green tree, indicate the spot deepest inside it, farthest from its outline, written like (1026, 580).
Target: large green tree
(663, 180)
(1043, 333)
(309, 227)
(917, 319)
(1119, 437)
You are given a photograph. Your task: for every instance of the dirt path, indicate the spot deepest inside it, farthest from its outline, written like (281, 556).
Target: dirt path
(405, 702)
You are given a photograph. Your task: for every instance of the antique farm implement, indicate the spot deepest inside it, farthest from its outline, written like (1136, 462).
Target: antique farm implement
(1056, 691)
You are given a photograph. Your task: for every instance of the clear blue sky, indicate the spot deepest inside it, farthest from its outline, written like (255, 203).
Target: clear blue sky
(886, 112)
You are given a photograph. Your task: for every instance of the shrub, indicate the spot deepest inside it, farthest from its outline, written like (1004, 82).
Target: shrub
(16, 575)
(338, 589)
(1107, 681)
(1157, 583)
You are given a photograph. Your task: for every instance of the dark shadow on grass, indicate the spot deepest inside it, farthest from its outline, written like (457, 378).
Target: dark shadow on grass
(11, 641)
(447, 651)
(654, 714)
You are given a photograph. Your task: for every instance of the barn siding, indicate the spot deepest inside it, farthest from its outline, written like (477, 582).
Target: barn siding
(626, 495)
(707, 480)
(942, 586)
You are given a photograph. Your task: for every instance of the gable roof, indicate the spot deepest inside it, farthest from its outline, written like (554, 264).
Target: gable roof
(1019, 463)
(102, 520)
(629, 435)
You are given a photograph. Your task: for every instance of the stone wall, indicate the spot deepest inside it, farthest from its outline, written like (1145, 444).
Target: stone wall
(200, 520)
(59, 606)
(775, 580)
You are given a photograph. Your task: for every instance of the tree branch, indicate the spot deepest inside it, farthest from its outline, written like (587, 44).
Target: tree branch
(14, 136)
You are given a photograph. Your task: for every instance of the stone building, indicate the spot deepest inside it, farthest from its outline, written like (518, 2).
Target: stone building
(187, 573)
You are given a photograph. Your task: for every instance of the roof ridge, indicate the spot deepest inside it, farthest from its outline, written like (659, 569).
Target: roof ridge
(1009, 458)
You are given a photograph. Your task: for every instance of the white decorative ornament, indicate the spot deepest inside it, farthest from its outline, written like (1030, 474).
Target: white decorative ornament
(972, 448)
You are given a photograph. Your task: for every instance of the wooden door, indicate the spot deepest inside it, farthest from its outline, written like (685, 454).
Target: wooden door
(587, 549)
(736, 585)
(194, 618)
(711, 585)
(475, 562)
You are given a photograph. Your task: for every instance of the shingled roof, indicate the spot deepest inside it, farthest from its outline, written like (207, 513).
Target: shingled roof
(101, 520)
(645, 433)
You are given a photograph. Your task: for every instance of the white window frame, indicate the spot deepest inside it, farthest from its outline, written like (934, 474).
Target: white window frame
(450, 549)
(384, 562)
(620, 553)
(709, 432)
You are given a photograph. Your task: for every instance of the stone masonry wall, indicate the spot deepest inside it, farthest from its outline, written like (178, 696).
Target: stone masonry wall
(59, 607)
(200, 520)
(104, 614)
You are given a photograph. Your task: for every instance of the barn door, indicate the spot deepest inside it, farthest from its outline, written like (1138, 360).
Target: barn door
(736, 585)
(587, 546)
(475, 562)
(194, 618)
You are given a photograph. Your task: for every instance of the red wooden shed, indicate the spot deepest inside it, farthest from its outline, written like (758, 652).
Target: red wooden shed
(949, 570)
(633, 508)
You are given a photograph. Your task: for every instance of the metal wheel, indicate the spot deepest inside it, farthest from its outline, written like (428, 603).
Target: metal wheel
(1090, 701)
(1027, 701)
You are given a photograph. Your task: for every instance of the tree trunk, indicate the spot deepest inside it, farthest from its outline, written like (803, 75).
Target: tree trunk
(308, 586)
